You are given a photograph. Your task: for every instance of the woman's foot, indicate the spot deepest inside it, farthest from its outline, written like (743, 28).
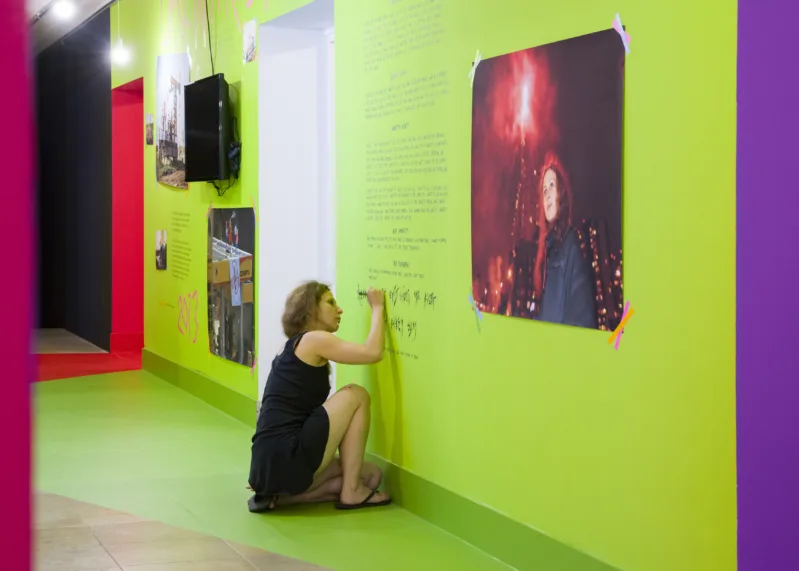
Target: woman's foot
(261, 504)
(363, 495)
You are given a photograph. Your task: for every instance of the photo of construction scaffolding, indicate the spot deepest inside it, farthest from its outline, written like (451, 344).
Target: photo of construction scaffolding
(172, 73)
(231, 289)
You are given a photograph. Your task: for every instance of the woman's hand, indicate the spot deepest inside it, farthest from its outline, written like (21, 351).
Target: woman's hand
(377, 298)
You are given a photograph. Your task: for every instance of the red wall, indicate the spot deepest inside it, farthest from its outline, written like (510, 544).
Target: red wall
(127, 215)
(15, 335)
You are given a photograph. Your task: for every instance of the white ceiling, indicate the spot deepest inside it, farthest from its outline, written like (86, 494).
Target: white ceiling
(49, 29)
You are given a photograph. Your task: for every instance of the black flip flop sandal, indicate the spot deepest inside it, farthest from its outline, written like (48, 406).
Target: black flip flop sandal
(364, 504)
(261, 504)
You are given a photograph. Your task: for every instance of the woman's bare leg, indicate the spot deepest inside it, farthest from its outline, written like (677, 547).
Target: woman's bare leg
(328, 491)
(352, 449)
(326, 486)
(349, 413)
(371, 474)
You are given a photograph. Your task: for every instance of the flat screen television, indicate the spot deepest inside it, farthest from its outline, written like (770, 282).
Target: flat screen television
(208, 129)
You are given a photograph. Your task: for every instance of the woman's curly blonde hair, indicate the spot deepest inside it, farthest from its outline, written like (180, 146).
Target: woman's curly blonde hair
(301, 307)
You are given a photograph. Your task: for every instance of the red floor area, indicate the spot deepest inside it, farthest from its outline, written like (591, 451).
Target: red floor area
(66, 366)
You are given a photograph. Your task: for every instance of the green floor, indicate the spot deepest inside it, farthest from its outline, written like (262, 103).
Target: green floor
(134, 443)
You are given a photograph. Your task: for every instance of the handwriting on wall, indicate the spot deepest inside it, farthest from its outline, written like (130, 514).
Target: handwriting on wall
(405, 297)
(403, 294)
(188, 310)
(405, 329)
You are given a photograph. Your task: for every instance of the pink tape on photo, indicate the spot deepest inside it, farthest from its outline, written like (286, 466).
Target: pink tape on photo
(625, 37)
(623, 315)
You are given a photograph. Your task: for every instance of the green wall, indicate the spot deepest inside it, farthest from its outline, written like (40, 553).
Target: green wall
(150, 28)
(629, 455)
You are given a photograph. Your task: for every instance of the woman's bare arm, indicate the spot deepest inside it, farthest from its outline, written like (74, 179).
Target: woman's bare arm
(330, 348)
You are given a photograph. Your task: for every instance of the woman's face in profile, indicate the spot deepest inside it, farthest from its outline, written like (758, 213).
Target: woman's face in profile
(328, 313)
(550, 195)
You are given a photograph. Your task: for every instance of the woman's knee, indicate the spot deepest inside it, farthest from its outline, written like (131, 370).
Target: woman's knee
(341, 408)
(356, 392)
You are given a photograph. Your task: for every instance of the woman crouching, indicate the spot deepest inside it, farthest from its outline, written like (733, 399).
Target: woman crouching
(299, 428)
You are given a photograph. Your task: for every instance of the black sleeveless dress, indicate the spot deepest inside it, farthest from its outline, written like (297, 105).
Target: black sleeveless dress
(293, 426)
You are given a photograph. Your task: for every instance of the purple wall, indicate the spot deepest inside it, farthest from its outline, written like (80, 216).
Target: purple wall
(767, 373)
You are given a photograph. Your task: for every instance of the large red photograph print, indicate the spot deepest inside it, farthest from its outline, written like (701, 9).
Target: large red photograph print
(547, 182)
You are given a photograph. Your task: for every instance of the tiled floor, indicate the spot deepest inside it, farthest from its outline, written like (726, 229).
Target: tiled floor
(138, 445)
(77, 536)
(48, 341)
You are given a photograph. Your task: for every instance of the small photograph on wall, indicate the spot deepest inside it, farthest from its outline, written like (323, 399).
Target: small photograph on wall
(231, 284)
(172, 75)
(547, 182)
(250, 40)
(160, 249)
(148, 123)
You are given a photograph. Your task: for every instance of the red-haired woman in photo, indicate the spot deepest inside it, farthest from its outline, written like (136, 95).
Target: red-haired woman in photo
(561, 277)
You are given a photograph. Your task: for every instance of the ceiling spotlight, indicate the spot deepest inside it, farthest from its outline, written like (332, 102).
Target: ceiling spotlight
(120, 55)
(64, 9)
